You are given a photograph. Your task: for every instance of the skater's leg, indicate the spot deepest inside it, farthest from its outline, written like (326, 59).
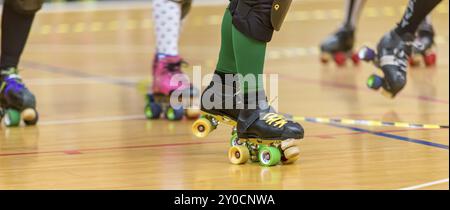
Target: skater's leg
(256, 119)
(219, 97)
(424, 44)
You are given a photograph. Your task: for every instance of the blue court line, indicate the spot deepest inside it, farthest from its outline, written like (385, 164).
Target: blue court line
(395, 137)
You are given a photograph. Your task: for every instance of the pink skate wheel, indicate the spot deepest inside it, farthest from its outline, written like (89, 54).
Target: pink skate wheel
(340, 58)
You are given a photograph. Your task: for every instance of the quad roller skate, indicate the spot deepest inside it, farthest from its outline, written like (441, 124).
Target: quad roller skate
(392, 59)
(16, 101)
(258, 135)
(424, 46)
(339, 47)
(158, 102)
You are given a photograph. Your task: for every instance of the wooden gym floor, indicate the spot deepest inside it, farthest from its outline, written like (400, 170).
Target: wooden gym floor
(83, 65)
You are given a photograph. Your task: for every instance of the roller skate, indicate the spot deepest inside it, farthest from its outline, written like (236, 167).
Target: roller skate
(424, 46)
(339, 47)
(392, 59)
(16, 101)
(159, 100)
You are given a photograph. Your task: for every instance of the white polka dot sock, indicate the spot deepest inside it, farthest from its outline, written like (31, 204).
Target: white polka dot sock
(167, 19)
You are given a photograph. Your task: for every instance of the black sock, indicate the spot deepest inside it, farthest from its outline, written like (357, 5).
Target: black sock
(415, 13)
(15, 30)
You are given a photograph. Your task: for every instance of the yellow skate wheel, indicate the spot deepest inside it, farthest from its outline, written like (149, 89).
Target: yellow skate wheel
(30, 116)
(192, 113)
(291, 155)
(202, 127)
(238, 155)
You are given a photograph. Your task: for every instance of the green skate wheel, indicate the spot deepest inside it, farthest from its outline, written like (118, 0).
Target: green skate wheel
(234, 140)
(173, 114)
(152, 111)
(30, 116)
(12, 118)
(269, 156)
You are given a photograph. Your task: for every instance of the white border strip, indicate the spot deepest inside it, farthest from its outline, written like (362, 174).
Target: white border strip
(415, 187)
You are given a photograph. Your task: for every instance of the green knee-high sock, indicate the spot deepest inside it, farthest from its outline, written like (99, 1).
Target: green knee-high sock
(227, 62)
(250, 55)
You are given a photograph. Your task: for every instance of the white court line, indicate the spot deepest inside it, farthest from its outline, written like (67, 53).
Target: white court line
(92, 120)
(415, 187)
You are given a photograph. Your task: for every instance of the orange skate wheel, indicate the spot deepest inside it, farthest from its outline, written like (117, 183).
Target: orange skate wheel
(30, 116)
(238, 155)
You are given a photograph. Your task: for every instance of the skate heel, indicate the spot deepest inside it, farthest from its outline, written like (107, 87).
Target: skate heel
(207, 123)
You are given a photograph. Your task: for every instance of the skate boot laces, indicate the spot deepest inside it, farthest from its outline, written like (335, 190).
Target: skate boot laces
(275, 120)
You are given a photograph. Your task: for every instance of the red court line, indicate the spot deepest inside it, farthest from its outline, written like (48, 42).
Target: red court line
(81, 151)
